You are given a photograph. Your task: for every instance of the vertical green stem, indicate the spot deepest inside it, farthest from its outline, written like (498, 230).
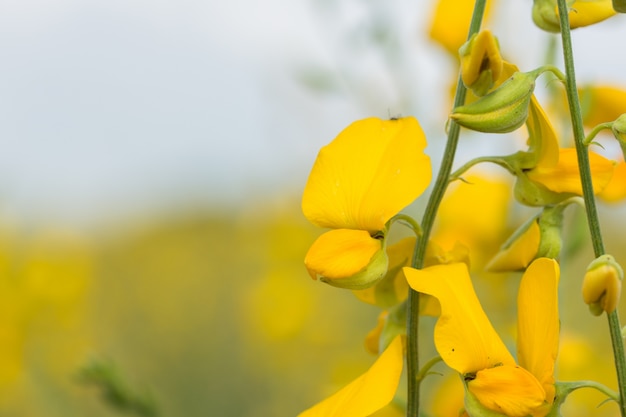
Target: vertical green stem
(432, 206)
(588, 195)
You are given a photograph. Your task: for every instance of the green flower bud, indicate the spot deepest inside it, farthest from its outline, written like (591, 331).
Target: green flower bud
(545, 16)
(501, 111)
(619, 131)
(602, 285)
(619, 128)
(619, 6)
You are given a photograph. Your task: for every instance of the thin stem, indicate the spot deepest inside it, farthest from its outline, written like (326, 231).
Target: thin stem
(498, 160)
(594, 132)
(588, 195)
(441, 183)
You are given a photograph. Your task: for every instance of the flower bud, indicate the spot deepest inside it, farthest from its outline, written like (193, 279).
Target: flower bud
(581, 13)
(619, 128)
(602, 285)
(501, 111)
(481, 63)
(619, 6)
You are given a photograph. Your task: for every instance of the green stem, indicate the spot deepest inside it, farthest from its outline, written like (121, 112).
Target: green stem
(588, 195)
(441, 183)
(594, 132)
(498, 160)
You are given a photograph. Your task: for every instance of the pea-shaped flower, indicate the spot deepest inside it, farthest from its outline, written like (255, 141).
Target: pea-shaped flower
(495, 383)
(359, 181)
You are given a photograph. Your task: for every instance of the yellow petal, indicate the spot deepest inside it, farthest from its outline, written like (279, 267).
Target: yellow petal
(370, 172)
(588, 12)
(602, 104)
(564, 177)
(464, 337)
(518, 254)
(508, 389)
(542, 138)
(393, 288)
(451, 21)
(341, 253)
(615, 190)
(368, 393)
(538, 322)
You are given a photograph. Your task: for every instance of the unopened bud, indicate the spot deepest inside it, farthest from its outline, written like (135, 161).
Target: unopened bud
(619, 131)
(501, 111)
(481, 63)
(619, 6)
(602, 285)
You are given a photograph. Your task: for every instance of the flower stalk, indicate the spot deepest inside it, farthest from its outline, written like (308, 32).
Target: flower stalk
(588, 195)
(439, 189)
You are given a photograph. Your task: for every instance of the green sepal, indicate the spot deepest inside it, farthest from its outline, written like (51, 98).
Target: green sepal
(395, 324)
(503, 110)
(550, 226)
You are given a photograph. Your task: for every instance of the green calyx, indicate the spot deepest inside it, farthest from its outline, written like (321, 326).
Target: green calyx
(501, 111)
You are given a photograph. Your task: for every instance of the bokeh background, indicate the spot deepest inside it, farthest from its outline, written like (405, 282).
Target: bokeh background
(152, 158)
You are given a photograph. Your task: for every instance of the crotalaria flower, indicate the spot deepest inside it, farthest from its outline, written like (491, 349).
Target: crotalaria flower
(359, 181)
(468, 343)
(581, 13)
(547, 174)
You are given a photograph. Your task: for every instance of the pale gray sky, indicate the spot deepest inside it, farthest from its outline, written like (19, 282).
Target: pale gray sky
(109, 106)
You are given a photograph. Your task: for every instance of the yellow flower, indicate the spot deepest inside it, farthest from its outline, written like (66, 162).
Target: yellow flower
(364, 177)
(468, 343)
(602, 285)
(368, 393)
(581, 13)
(551, 174)
(451, 21)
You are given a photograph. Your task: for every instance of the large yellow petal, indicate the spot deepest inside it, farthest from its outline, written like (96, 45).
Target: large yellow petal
(370, 172)
(538, 322)
(368, 393)
(341, 253)
(542, 139)
(564, 177)
(508, 389)
(464, 337)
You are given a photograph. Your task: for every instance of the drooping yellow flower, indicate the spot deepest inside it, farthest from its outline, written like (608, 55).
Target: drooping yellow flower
(368, 393)
(365, 176)
(467, 342)
(550, 174)
(581, 13)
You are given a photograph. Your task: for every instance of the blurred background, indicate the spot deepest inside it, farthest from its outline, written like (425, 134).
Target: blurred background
(152, 159)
